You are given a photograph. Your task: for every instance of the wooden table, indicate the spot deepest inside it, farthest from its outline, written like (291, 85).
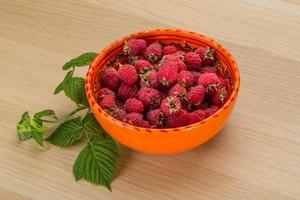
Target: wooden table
(256, 155)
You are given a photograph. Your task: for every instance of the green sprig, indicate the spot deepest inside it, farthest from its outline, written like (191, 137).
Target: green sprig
(96, 162)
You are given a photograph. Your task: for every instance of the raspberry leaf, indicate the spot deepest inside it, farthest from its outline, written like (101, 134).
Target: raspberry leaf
(96, 163)
(45, 113)
(92, 127)
(28, 127)
(82, 60)
(74, 89)
(61, 86)
(23, 130)
(67, 134)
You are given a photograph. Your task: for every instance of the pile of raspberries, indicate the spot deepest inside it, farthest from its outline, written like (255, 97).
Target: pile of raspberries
(162, 86)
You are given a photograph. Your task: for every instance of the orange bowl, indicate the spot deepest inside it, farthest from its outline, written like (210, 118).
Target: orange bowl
(169, 140)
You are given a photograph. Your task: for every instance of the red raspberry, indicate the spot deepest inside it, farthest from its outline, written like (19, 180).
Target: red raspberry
(128, 74)
(149, 96)
(167, 74)
(220, 97)
(208, 69)
(208, 79)
(110, 78)
(156, 118)
(117, 113)
(192, 60)
(196, 116)
(134, 47)
(210, 111)
(170, 105)
(196, 95)
(201, 52)
(127, 91)
(133, 105)
(175, 59)
(108, 102)
(180, 55)
(153, 52)
(145, 124)
(178, 91)
(149, 79)
(214, 88)
(195, 77)
(177, 119)
(206, 54)
(102, 92)
(142, 66)
(135, 119)
(185, 78)
(170, 49)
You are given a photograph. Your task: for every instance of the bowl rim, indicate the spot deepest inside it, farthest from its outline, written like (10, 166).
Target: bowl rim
(219, 47)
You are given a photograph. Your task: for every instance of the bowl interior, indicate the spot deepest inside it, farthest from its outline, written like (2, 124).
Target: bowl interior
(184, 39)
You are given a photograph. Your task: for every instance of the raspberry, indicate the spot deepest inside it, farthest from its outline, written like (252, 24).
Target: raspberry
(172, 58)
(220, 97)
(180, 55)
(108, 102)
(127, 91)
(170, 105)
(214, 88)
(134, 47)
(102, 92)
(133, 105)
(185, 78)
(201, 52)
(196, 116)
(196, 95)
(117, 113)
(177, 119)
(196, 75)
(156, 118)
(208, 80)
(145, 124)
(135, 119)
(167, 74)
(178, 91)
(149, 79)
(170, 49)
(208, 69)
(211, 110)
(149, 97)
(128, 74)
(110, 79)
(142, 66)
(192, 60)
(206, 54)
(153, 52)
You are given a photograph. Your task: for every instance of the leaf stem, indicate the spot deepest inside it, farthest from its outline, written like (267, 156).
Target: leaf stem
(65, 118)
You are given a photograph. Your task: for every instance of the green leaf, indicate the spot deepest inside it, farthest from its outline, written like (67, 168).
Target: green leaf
(61, 86)
(96, 163)
(45, 113)
(82, 60)
(68, 133)
(23, 131)
(92, 127)
(75, 90)
(38, 137)
(28, 127)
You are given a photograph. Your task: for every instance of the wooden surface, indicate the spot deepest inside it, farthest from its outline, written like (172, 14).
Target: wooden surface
(257, 154)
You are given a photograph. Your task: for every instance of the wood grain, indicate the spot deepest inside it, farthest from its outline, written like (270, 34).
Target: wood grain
(256, 155)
